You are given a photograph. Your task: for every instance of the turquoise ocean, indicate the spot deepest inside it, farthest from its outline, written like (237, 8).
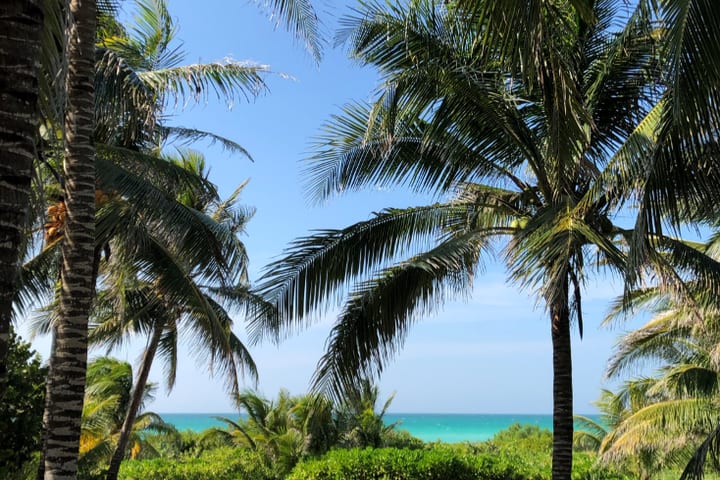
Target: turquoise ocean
(429, 427)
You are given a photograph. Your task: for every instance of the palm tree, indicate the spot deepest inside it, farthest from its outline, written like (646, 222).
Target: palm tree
(68, 360)
(537, 139)
(80, 267)
(615, 408)
(21, 23)
(676, 408)
(169, 267)
(359, 421)
(107, 395)
(155, 289)
(284, 430)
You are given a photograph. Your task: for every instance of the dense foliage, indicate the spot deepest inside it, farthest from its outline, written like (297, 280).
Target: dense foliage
(543, 140)
(538, 146)
(224, 463)
(517, 453)
(21, 410)
(291, 428)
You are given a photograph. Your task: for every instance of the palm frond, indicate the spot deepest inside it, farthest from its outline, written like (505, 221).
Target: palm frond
(38, 279)
(374, 322)
(622, 78)
(301, 20)
(184, 136)
(312, 274)
(709, 448)
(229, 80)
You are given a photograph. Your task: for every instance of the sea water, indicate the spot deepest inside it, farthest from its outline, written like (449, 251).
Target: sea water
(451, 428)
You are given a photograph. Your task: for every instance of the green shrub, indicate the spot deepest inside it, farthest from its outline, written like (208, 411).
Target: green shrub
(401, 439)
(21, 410)
(525, 438)
(224, 463)
(586, 467)
(439, 462)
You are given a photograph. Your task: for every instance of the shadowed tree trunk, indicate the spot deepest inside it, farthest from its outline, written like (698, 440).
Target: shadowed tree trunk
(20, 36)
(68, 363)
(562, 387)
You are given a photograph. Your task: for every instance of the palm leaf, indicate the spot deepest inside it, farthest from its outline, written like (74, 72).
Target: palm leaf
(315, 268)
(301, 20)
(374, 322)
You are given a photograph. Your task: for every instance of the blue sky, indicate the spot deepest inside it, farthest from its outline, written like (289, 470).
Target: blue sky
(489, 354)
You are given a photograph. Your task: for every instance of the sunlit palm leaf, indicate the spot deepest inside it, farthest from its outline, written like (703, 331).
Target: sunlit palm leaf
(301, 20)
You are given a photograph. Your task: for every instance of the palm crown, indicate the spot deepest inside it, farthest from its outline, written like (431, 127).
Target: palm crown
(538, 140)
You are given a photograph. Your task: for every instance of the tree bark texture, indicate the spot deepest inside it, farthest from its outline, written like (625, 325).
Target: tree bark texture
(69, 357)
(21, 24)
(562, 387)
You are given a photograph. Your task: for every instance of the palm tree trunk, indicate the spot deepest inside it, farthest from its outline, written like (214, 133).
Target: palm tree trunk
(21, 24)
(562, 387)
(135, 401)
(69, 358)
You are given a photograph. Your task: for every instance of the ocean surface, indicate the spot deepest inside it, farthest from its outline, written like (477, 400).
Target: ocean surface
(429, 427)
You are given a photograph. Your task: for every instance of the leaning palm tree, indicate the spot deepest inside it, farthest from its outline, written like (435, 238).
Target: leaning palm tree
(533, 142)
(154, 288)
(107, 395)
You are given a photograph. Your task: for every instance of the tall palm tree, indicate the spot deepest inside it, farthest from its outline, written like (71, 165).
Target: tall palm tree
(537, 140)
(79, 267)
(21, 22)
(68, 360)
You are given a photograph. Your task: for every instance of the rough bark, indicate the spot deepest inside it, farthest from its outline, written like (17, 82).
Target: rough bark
(135, 401)
(20, 39)
(69, 357)
(562, 387)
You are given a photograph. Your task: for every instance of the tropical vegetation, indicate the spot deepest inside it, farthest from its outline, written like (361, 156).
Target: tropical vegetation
(21, 410)
(667, 416)
(534, 143)
(496, 459)
(108, 394)
(106, 100)
(536, 148)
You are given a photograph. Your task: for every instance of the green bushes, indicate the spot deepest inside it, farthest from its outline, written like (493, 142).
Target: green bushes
(437, 463)
(440, 462)
(224, 463)
(21, 410)
(518, 453)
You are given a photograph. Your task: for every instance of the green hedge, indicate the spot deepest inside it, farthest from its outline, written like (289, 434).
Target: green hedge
(436, 462)
(224, 463)
(439, 462)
